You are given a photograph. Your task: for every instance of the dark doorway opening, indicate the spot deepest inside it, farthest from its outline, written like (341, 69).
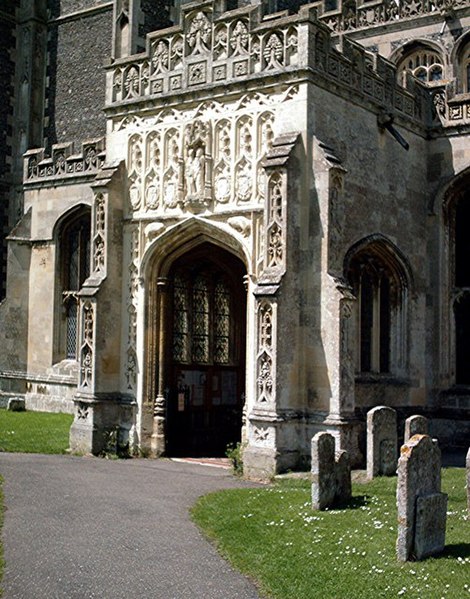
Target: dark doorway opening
(207, 324)
(462, 339)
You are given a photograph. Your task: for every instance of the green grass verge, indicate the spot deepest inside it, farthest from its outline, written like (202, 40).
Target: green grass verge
(293, 552)
(34, 432)
(2, 561)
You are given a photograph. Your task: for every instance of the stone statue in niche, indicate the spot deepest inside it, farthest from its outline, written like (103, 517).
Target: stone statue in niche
(195, 173)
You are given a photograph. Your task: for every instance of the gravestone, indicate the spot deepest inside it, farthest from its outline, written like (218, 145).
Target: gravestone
(415, 425)
(16, 404)
(381, 442)
(468, 480)
(422, 508)
(331, 473)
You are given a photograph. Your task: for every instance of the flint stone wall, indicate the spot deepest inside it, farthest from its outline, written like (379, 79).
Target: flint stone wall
(331, 473)
(381, 442)
(422, 508)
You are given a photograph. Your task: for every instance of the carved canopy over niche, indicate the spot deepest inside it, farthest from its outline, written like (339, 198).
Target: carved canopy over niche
(200, 163)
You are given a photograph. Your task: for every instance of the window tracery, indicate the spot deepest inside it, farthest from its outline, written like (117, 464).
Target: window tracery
(380, 292)
(425, 64)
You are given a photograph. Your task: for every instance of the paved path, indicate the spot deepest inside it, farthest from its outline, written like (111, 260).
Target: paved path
(79, 528)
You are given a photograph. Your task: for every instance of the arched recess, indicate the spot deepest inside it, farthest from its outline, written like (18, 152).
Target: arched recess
(455, 301)
(380, 278)
(72, 234)
(460, 61)
(195, 340)
(426, 60)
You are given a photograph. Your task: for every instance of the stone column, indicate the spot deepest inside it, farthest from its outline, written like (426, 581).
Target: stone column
(341, 420)
(103, 411)
(159, 413)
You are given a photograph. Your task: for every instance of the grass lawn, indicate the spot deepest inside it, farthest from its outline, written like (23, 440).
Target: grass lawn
(293, 552)
(2, 563)
(34, 432)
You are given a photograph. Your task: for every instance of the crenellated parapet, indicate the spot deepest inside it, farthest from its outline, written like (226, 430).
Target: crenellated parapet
(63, 164)
(232, 51)
(349, 15)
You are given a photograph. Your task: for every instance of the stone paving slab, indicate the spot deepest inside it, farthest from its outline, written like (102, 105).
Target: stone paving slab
(82, 528)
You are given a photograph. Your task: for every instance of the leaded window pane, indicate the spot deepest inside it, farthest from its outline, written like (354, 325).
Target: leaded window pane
(200, 336)
(221, 323)
(71, 330)
(180, 320)
(75, 252)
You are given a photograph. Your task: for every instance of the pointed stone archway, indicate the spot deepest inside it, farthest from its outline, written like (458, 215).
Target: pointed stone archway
(195, 346)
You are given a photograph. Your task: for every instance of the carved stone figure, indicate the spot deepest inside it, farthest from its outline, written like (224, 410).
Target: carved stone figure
(195, 173)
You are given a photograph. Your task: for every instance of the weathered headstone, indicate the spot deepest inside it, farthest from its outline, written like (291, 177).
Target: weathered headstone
(16, 404)
(331, 473)
(422, 508)
(381, 442)
(468, 480)
(415, 425)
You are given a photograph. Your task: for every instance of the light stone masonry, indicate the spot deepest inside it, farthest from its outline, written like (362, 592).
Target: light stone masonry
(381, 442)
(422, 508)
(331, 473)
(415, 425)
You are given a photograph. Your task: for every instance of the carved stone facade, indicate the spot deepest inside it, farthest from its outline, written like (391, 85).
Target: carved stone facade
(281, 195)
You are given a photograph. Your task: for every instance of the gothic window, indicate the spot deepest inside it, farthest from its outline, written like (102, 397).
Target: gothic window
(379, 290)
(424, 63)
(75, 268)
(465, 68)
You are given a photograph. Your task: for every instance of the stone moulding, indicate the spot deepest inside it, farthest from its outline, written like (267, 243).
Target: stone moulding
(62, 165)
(236, 49)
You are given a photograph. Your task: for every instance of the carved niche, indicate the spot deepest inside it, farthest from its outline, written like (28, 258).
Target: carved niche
(86, 370)
(197, 166)
(266, 353)
(99, 235)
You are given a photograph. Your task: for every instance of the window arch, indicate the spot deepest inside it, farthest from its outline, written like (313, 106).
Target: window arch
(379, 283)
(74, 269)
(460, 60)
(424, 62)
(464, 68)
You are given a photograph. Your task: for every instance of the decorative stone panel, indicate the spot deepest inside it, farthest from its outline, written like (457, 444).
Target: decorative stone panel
(87, 346)
(205, 51)
(63, 164)
(208, 158)
(266, 353)
(358, 14)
